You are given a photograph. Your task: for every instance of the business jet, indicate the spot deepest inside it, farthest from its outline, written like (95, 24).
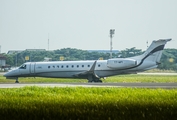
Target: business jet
(92, 70)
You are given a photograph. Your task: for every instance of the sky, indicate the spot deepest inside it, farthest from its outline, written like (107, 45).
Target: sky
(85, 24)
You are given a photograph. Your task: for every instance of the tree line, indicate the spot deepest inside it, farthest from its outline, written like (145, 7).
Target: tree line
(168, 60)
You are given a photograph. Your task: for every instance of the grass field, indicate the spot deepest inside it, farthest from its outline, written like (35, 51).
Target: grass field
(39, 103)
(78, 103)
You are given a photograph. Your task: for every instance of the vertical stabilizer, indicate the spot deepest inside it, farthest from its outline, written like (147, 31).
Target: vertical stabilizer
(154, 51)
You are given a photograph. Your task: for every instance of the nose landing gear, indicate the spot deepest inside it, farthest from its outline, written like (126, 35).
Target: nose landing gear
(16, 80)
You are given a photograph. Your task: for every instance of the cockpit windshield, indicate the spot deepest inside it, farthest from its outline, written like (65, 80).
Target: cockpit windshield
(23, 66)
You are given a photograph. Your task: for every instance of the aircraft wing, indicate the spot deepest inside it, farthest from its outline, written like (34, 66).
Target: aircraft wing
(87, 73)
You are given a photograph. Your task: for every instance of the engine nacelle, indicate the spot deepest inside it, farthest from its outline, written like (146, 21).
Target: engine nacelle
(120, 63)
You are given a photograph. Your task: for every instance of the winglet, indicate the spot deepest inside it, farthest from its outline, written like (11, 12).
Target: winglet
(90, 72)
(93, 67)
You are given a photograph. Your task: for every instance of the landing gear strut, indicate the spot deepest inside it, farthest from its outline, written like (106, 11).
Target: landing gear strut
(16, 81)
(94, 79)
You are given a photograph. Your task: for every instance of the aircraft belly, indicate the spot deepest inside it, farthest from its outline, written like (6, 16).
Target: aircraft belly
(57, 74)
(107, 73)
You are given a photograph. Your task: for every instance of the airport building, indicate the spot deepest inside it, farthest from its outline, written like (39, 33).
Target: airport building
(2, 60)
(3, 64)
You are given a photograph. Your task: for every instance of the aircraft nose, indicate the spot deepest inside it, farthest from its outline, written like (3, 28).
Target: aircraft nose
(10, 73)
(6, 74)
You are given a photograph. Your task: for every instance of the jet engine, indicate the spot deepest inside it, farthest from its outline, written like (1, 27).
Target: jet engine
(121, 63)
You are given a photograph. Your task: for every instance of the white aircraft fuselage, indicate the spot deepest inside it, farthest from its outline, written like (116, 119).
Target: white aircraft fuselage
(92, 70)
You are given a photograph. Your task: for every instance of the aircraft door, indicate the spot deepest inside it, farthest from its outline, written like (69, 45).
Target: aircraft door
(32, 68)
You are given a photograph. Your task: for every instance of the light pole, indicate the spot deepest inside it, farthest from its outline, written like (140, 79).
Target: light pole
(111, 36)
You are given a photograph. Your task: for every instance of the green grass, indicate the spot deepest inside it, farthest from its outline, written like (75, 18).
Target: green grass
(156, 70)
(142, 78)
(120, 78)
(87, 103)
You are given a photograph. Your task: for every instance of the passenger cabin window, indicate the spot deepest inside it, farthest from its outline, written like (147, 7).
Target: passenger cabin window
(88, 65)
(57, 66)
(23, 66)
(67, 66)
(72, 66)
(48, 66)
(120, 61)
(62, 66)
(77, 65)
(82, 65)
(99, 65)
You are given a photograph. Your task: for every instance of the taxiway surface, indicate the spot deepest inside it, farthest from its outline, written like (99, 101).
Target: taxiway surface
(118, 85)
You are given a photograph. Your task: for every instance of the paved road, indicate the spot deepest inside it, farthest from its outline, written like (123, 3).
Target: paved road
(2, 73)
(129, 85)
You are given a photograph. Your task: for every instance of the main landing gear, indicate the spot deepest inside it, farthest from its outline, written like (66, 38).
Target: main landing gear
(16, 80)
(94, 79)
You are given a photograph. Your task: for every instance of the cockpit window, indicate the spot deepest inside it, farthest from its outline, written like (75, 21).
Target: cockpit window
(23, 66)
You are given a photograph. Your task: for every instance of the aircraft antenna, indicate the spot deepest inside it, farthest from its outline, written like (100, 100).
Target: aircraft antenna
(147, 44)
(0, 49)
(111, 36)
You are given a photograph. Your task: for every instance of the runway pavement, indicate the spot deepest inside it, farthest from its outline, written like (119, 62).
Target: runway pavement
(118, 85)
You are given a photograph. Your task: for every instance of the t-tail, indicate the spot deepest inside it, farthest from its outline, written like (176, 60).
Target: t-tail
(151, 58)
(154, 52)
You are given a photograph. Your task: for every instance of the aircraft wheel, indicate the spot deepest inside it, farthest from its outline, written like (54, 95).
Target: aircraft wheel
(97, 81)
(16, 80)
(100, 81)
(90, 81)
